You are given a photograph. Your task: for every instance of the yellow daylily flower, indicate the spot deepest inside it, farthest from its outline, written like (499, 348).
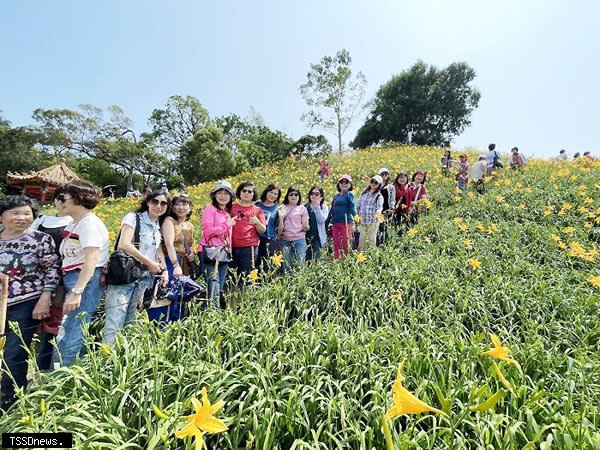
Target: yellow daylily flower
(412, 232)
(474, 263)
(356, 219)
(277, 259)
(569, 230)
(499, 351)
(480, 227)
(361, 257)
(467, 243)
(501, 377)
(405, 402)
(595, 281)
(202, 421)
(253, 275)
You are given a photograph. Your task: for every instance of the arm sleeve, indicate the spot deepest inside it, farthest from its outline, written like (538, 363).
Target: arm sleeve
(210, 227)
(352, 201)
(321, 213)
(379, 203)
(49, 262)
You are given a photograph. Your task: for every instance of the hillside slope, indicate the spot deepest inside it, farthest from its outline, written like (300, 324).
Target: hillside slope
(309, 360)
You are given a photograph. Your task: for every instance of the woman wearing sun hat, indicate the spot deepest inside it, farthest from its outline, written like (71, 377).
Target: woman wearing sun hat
(418, 193)
(388, 191)
(216, 232)
(343, 209)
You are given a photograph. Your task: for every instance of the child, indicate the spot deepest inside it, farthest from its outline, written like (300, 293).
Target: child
(462, 177)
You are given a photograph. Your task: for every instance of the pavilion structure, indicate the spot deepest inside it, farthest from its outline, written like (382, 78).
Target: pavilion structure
(41, 184)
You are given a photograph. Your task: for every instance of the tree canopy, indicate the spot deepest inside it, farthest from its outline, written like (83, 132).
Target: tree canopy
(433, 104)
(333, 93)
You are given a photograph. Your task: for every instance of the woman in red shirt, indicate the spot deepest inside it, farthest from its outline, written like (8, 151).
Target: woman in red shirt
(249, 223)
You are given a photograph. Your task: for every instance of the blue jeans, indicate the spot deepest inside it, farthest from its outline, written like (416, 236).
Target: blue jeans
(15, 353)
(70, 333)
(214, 284)
(313, 250)
(121, 304)
(294, 252)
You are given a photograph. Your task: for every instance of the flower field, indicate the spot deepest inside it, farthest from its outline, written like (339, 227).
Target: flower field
(480, 328)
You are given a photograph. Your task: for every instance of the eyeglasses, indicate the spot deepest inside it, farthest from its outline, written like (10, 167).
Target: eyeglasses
(316, 193)
(61, 198)
(293, 194)
(162, 203)
(248, 191)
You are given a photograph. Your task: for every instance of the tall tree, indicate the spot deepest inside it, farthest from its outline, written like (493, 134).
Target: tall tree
(433, 105)
(87, 132)
(333, 93)
(205, 157)
(312, 146)
(176, 123)
(18, 152)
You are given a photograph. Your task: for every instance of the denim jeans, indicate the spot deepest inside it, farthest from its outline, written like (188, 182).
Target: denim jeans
(313, 250)
(294, 252)
(70, 333)
(215, 287)
(121, 305)
(15, 354)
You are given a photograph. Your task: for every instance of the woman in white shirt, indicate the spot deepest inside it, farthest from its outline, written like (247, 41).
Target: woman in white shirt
(122, 300)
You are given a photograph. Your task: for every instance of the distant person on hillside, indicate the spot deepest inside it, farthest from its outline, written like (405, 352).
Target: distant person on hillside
(562, 156)
(147, 190)
(516, 160)
(478, 173)
(576, 156)
(323, 171)
(462, 177)
(494, 160)
(132, 192)
(446, 163)
(588, 155)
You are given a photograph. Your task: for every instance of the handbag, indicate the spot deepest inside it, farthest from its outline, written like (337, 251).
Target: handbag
(211, 254)
(193, 266)
(180, 289)
(123, 268)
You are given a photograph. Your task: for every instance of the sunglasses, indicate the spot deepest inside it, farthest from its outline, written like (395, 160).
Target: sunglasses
(61, 198)
(344, 182)
(248, 191)
(374, 182)
(316, 193)
(162, 203)
(293, 194)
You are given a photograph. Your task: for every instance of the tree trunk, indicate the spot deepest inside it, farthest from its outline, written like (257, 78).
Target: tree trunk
(130, 179)
(339, 133)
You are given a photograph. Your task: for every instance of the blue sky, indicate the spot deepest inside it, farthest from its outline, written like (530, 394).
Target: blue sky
(537, 62)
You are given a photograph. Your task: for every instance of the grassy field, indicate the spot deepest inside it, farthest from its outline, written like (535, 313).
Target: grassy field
(309, 361)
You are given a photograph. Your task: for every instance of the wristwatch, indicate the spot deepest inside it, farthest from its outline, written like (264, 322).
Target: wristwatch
(77, 291)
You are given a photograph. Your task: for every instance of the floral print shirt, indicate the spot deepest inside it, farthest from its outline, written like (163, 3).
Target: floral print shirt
(32, 265)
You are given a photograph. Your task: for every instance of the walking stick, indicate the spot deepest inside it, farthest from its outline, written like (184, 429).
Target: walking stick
(215, 277)
(3, 306)
(348, 235)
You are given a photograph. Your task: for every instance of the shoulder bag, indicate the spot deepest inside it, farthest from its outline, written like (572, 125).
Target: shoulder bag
(123, 268)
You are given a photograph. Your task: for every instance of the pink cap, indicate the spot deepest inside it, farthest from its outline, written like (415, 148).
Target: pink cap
(345, 177)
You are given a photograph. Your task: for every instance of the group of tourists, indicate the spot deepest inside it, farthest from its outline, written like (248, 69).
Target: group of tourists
(58, 268)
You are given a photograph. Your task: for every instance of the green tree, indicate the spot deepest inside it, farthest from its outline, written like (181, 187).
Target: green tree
(312, 146)
(433, 104)
(333, 93)
(254, 141)
(204, 157)
(88, 133)
(176, 123)
(18, 152)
